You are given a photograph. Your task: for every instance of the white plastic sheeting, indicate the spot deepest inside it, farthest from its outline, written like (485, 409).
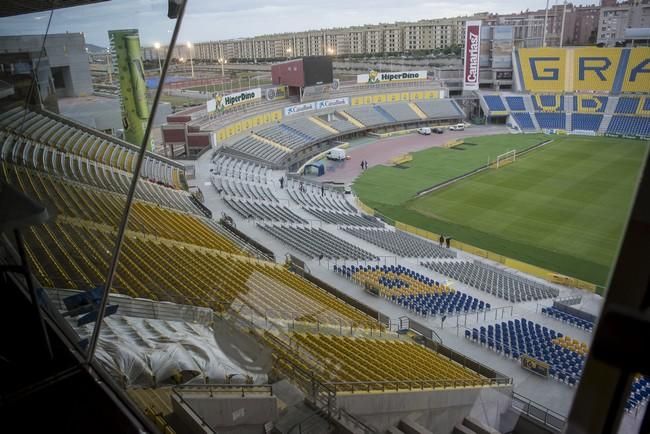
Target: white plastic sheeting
(150, 352)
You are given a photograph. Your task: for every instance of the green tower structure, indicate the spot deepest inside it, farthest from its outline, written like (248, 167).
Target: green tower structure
(127, 66)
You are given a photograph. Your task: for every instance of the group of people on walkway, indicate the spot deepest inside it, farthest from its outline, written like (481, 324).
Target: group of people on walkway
(444, 240)
(364, 165)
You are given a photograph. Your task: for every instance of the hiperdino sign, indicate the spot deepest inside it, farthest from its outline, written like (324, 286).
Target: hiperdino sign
(377, 77)
(224, 102)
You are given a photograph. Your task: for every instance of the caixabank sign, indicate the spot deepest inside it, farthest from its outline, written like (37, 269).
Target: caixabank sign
(472, 53)
(373, 77)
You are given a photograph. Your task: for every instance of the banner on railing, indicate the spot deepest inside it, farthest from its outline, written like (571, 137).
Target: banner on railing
(534, 365)
(373, 76)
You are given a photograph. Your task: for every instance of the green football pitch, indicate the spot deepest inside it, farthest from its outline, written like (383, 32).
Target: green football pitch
(562, 206)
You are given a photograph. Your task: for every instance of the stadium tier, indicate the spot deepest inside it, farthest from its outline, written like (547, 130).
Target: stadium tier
(358, 364)
(516, 103)
(290, 138)
(243, 170)
(493, 280)
(263, 211)
(244, 190)
(313, 198)
(52, 131)
(316, 242)
(345, 219)
(401, 243)
(583, 69)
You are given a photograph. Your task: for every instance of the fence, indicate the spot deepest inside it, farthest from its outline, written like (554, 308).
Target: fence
(548, 417)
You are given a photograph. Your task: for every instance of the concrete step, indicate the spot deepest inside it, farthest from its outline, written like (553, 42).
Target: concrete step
(417, 110)
(322, 124)
(352, 120)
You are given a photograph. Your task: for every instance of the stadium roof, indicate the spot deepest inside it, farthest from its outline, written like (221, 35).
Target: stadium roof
(20, 7)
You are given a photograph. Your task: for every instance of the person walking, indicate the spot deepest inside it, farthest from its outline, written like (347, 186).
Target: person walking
(441, 240)
(322, 189)
(281, 182)
(448, 241)
(361, 164)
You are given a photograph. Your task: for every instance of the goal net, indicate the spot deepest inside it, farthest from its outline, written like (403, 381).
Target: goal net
(505, 158)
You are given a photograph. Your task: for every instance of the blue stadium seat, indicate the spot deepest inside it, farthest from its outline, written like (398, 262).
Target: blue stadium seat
(524, 120)
(516, 103)
(555, 121)
(629, 125)
(627, 105)
(586, 121)
(494, 103)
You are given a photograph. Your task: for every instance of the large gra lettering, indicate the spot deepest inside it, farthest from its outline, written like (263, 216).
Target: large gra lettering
(595, 64)
(639, 69)
(548, 73)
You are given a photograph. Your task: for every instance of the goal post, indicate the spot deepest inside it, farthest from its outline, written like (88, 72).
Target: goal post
(505, 158)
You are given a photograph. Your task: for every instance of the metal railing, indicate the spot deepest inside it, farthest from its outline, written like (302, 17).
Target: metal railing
(229, 389)
(548, 417)
(414, 385)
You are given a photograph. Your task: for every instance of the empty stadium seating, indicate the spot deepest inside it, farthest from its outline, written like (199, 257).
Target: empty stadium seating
(379, 364)
(589, 103)
(312, 198)
(401, 243)
(548, 102)
(317, 242)
(493, 280)
(524, 120)
(369, 115)
(412, 290)
(568, 318)
(48, 129)
(494, 103)
(440, 109)
(75, 255)
(263, 211)
(519, 337)
(586, 121)
(227, 166)
(627, 105)
(345, 219)
(629, 125)
(257, 148)
(551, 120)
(400, 112)
(516, 103)
(244, 190)
(22, 151)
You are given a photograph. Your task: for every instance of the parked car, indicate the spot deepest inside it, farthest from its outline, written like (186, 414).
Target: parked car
(437, 130)
(457, 127)
(424, 130)
(336, 154)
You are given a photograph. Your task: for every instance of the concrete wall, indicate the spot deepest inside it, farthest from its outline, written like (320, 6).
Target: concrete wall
(231, 414)
(66, 51)
(437, 410)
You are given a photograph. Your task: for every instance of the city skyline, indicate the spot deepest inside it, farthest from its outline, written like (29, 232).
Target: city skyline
(205, 20)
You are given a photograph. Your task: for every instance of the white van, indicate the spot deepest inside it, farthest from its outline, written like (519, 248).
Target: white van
(336, 154)
(425, 131)
(457, 127)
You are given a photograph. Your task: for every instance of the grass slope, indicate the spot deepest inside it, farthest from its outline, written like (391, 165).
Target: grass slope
(562, 207)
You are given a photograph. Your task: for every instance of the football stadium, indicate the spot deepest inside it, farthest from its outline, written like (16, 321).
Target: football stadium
(325, 251)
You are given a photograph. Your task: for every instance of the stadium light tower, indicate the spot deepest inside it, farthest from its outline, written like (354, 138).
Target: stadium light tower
(156, 45)
(189, 46)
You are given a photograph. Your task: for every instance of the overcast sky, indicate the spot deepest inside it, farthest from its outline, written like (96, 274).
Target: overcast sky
(218, 19)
